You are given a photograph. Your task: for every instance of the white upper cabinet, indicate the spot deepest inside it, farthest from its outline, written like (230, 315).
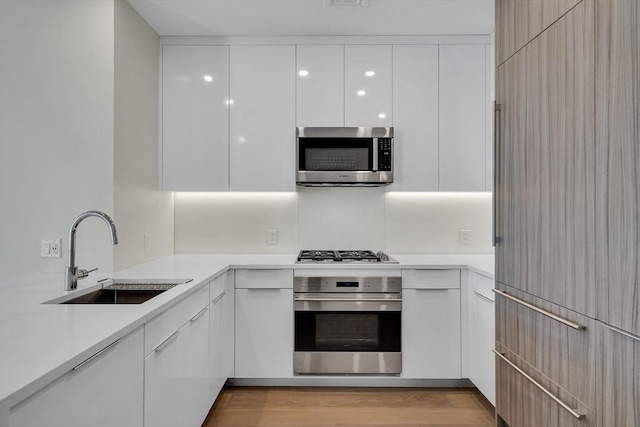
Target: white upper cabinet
(368, 85)
(262, 119)
(463, 102)
(320, 85)
(195, 91)
(415, 117)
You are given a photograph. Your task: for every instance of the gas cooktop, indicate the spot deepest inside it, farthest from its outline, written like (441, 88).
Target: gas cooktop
(328, 256)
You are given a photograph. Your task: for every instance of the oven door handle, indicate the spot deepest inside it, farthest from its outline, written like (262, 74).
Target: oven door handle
(349, 299)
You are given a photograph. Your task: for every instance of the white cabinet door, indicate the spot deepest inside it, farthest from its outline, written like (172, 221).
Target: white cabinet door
(177, 370)
(197, 368)
(264, 333)
(431, 333)
(228, 329)
(262, 118)
(415, 117)
(463, 100)
(217, 344)
(320, 85)
(482, 335)
(87, 395)
(195, 114)
(164, 388)
(368, 85)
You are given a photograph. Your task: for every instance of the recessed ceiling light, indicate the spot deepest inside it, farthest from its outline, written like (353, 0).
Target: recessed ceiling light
(370, 73)
(347, 3)
(303, 73)
(207, 78)
(361, 93)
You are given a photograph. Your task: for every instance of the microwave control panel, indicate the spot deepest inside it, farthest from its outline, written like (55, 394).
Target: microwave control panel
(384, 154)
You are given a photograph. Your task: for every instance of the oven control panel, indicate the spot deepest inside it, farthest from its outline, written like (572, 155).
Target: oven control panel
(347, 284)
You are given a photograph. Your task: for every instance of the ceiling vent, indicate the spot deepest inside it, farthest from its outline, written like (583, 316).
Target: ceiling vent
(347, 3)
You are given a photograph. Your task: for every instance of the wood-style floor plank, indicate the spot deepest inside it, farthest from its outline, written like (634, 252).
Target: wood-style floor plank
(371, 407)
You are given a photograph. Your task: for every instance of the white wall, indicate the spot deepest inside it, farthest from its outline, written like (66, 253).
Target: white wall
(140, 209)
(79, 131)
(332, 218)
(56, 130)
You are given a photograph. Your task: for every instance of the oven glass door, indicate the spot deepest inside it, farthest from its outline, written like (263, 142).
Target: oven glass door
(335, 154)
(347, 331)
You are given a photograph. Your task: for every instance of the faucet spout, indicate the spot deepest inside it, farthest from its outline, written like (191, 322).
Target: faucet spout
(71, 273)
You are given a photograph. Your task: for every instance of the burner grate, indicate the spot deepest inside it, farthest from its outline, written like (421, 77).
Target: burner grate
(357, 256)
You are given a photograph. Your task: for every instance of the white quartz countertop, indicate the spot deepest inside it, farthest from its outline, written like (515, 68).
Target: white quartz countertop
(40, 342)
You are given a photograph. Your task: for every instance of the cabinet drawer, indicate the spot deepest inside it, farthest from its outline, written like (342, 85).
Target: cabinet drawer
(87, 395)
(558, 351)
(217, 287)
(161, 327)
(520, 403)
(265, 279)
(482, 285)
(620, 379)
(431, 279)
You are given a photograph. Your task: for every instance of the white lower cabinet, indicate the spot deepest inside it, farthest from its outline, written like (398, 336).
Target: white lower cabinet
(431, 334)
(164, 386)
(482, 335)
(104, 391)
(197, 368)
(177, 371)
(264, 333)
(220, 348)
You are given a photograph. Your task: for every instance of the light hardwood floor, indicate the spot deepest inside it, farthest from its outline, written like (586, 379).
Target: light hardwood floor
(322, 406)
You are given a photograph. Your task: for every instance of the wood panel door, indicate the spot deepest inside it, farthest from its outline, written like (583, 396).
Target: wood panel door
(520, 403)
(555, 349)
(618, 164)
(546, 202)
(505, 30)
(620, 386)
(511, 94)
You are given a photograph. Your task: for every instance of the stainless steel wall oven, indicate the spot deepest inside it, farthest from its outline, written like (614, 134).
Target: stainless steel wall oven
(348, 325)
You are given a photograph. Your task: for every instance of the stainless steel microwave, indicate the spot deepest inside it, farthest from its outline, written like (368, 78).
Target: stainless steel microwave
(344, 156)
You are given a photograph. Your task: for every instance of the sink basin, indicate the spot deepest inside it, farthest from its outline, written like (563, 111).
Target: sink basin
(122, 292)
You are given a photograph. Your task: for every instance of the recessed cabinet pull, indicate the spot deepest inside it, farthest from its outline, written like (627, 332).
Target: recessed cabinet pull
(483, 297)
(541, 311)
(98, 354)
(573, 412)
(168, 341)
(200, 313)
(219, 297)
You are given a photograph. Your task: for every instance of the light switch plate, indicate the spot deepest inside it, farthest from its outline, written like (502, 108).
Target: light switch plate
(467, 237)
(272, 237)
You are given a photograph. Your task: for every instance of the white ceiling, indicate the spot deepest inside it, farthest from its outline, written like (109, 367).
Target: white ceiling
(312, 18)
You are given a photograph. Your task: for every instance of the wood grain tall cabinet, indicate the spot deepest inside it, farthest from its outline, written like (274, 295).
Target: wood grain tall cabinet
(567, 213)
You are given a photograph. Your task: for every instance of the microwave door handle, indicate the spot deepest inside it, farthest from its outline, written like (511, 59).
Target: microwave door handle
(375, 154)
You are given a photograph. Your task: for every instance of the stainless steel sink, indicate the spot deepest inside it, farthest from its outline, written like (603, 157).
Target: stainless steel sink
(122, 292)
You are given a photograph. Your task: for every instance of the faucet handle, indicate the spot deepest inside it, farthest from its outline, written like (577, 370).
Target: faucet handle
(81, 274)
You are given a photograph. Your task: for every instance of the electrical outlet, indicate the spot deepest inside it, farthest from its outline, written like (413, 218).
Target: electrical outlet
(51, 248)
(467, 237)
(272, 237)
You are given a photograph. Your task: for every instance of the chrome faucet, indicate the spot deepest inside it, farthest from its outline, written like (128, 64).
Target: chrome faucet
(72, 273)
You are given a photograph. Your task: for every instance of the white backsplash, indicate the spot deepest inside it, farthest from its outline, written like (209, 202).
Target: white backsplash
(332, 218)
(340, 218)
(431, 222)
(235, 222)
